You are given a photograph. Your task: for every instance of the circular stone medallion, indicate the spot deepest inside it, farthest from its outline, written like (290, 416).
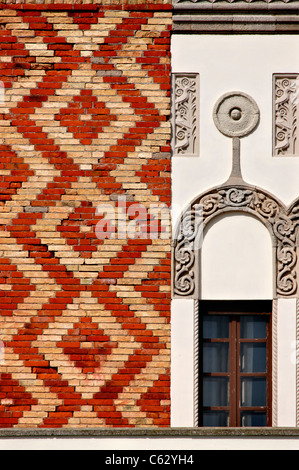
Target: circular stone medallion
(236, 114)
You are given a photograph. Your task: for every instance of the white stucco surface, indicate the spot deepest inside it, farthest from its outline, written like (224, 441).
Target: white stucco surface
(237, 260)
(182, 360)
(287, 358)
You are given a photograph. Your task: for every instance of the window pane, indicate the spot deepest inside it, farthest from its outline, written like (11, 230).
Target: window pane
(253, 327)
(254, 391)
(234, 365)
(212, 419)
(253, 357)
(215, 326)
(215, 391)
(254, 419)
(216, 357)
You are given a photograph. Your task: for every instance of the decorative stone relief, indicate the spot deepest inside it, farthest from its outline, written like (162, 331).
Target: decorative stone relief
(286, 115)
(282, 223)
(185, 110)
(236, 115)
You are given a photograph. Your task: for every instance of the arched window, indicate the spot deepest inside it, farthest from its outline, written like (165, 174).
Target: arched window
(247, 239)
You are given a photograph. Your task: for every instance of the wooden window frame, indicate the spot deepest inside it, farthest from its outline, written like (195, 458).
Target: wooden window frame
(235, 310)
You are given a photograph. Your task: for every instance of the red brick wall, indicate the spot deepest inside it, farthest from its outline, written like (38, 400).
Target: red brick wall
(84, 322)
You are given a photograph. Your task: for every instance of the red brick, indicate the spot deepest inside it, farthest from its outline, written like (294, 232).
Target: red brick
(61, 191)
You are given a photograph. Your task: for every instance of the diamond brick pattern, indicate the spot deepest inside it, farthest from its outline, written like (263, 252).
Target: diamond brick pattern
(85, 322)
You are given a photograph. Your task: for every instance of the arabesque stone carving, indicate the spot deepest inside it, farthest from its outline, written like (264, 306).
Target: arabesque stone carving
(285, 131)
(185, 114)
(282, 223)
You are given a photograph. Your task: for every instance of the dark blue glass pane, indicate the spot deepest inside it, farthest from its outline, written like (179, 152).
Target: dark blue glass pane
(215, 326)
(216, 357)
(253, 327)
(253, 357)
(215, 419)
(254, 391)
(253, 419)
(215, 391)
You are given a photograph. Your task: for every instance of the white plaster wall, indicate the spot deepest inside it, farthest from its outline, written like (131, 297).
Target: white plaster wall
(237, 260)
(235, 63)
(286, 371)
(134, 445)
(182, 363)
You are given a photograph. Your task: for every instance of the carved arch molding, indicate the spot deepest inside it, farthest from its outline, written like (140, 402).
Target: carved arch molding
(282, 222)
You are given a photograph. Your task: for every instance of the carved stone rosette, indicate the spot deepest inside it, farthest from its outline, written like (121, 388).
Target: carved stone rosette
(185, 114)
(282, 223)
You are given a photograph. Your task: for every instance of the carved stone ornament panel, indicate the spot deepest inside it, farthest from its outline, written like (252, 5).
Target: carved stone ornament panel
(282, 223)
(185, 115)
(286, 106)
